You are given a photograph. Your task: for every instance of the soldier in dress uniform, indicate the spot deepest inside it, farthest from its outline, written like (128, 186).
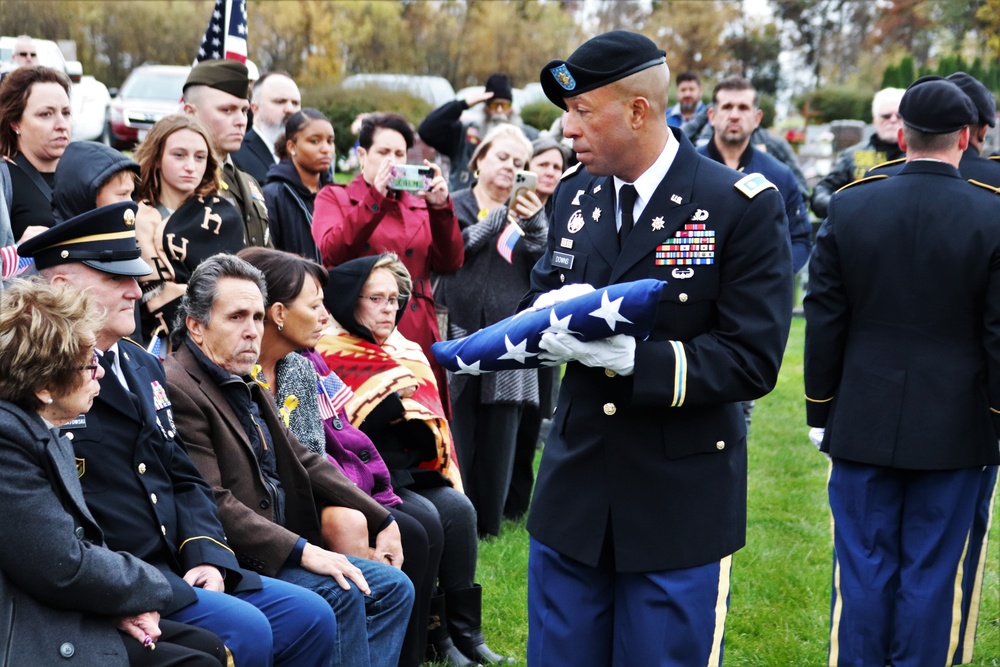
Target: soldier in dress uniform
(902, 375)
(138, 481)
(641, 494)
(216, 93)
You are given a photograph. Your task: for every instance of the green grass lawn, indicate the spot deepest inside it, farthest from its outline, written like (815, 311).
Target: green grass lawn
(779, 612)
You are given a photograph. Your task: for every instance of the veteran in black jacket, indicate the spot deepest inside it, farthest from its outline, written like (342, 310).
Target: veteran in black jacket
(642, 484)
(902, 370)
(138, 480)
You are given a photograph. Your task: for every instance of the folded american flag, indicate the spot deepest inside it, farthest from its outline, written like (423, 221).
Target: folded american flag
(624, 308)
(508, 238)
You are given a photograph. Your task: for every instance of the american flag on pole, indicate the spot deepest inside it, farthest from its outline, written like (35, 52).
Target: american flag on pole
(333, 395)
(508, 238)
(226, 35)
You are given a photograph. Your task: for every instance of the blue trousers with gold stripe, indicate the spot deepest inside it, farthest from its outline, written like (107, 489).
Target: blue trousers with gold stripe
(975, 565)
(900, 541)
(595, 617)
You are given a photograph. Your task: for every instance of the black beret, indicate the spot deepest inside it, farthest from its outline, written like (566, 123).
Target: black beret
(934, 105)
(229, 76)
(980, 95)
(598, 62)
(499, 85)
(103, 239)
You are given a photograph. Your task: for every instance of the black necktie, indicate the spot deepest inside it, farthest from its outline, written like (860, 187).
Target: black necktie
(108, 360)
(626, 204)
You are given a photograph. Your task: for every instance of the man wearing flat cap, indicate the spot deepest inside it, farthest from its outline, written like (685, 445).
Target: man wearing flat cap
(641, 495)
(216, 93)
(138, 481)
(902, 378)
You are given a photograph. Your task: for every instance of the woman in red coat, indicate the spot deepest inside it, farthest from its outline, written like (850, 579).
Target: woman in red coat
(366, 217)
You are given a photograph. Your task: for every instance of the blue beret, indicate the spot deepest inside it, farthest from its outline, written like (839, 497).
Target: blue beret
(103, 239)
(598, 62)
(980, 95)
(934, 105)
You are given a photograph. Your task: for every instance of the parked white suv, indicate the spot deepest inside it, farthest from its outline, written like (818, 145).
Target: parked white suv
(89, 98)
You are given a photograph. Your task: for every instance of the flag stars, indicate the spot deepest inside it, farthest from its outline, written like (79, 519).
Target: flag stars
(609, 311)
(519, 352)
(557, 325)
(467, 369)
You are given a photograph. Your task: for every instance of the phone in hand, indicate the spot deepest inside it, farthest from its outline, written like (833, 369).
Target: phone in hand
(523, 181)
(411, 177)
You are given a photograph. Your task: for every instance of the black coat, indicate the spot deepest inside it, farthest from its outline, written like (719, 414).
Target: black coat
(660, 455)
(902, 356)
(60, 587)
(253, 157)
(142, 487)
(290, 209)
(31, 204)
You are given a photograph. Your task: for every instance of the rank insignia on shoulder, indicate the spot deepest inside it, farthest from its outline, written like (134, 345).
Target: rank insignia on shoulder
(753, 184)
(866, 179)
(985, 186)
(572, 170)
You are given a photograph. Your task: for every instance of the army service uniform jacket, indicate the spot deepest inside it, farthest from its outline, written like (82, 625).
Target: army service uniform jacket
(907, 375)
(660, 455)
(245, 194)
(60, 589)
(141, 485)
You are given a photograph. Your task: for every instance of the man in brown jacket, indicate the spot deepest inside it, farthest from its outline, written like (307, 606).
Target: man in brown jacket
(269, 488)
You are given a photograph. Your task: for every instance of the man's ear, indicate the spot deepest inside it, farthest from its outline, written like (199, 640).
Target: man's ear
(196, 330)
(639, 111)
(900, 140)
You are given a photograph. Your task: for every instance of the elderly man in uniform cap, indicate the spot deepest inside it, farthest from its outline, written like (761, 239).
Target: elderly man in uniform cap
(641, 494)
(138, 481)
(902, 375)
(216, 94)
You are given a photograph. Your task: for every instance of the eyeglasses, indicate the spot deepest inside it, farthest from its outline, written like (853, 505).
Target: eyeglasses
(95, 362)
(887, 116)
(25, 54)
(498, 105)
(394, 302)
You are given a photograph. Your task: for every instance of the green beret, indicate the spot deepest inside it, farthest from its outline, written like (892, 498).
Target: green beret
(229, 76)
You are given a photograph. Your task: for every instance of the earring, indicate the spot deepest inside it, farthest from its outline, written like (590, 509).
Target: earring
(293, 153)
(280, 327)
(48, 402)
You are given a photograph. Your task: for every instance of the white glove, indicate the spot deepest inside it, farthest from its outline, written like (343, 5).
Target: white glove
(564, 293)
(616, 353)
(816, 436)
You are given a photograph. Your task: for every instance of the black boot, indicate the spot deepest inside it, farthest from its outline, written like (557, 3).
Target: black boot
(465, 620)
(440, 647)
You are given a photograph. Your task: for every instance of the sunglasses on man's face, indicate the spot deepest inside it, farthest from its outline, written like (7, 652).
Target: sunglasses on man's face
(25, 54)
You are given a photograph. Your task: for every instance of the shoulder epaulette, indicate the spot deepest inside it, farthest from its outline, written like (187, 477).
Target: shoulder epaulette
(994, 157)
(866, 179)
(882, 165)
(985, 186)
(753, 184)
(572, 170)
(136, 343)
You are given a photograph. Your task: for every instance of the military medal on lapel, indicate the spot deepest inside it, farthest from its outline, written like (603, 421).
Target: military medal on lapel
(575, 223)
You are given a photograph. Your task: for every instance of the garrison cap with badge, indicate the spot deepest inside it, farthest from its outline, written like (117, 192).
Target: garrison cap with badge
(597, 62)
(980, 95)
(935, 105)
(103, 239)
(229, 76)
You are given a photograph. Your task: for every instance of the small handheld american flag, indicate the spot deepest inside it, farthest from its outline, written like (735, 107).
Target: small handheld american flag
(508, 238)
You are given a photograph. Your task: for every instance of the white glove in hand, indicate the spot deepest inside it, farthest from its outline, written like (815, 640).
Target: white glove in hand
(816, 436)
(616, 352)
(564, 293)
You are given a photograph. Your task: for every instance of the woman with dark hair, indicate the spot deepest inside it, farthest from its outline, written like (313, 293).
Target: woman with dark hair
(306, 150)
(63, 594)
(35, 127)
(396, 404)
(182, 219)
(311, 399)
(367, 217)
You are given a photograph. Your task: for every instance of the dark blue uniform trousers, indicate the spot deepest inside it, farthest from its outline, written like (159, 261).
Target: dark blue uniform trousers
(595, 617)
(900, 542)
